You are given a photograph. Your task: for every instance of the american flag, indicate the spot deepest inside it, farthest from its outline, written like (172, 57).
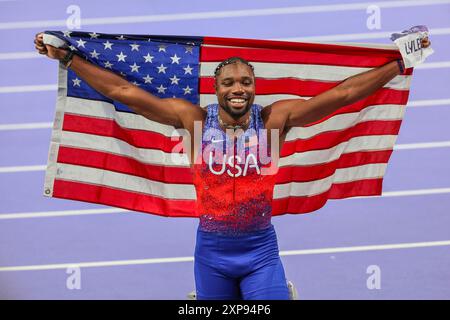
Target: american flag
(102, 152)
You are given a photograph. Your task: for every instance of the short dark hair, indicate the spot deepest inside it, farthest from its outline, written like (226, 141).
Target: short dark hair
(230, 61)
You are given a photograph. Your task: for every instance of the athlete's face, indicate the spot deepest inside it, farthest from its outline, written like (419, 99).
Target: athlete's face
(235, 88)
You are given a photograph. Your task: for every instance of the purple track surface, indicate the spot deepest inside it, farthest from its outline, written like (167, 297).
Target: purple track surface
(319, 250)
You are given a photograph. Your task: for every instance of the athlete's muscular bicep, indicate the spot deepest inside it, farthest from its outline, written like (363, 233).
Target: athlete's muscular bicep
(171, 111)
(354, 88)
(300, 112)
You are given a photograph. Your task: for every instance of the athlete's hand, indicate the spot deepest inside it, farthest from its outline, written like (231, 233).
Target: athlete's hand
(48, 50)
(426, 42)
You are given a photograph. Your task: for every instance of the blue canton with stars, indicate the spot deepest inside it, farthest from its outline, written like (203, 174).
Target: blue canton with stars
(165, 66)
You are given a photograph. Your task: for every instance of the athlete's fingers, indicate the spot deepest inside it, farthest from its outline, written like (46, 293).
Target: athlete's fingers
(426, 42)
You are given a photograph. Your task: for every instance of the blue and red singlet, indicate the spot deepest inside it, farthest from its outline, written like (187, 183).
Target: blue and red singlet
(234, 191)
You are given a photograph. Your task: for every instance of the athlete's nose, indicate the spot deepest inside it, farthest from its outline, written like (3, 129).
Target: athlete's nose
(238, 89)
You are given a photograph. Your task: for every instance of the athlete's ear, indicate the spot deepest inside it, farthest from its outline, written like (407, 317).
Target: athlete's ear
(215, 85)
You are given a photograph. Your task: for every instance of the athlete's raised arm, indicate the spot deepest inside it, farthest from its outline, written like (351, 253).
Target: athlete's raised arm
(176, 112)
(299, 112)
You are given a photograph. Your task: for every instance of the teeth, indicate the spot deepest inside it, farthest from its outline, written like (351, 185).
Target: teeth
(237, 100)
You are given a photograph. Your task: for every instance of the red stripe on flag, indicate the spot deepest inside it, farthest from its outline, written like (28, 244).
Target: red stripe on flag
(277, 86)
(314, 47)
(294, 205)
(380, 97)
(330, 139)
(299, 56)
(110, 128)
(323, 170)
(123, 199)
(123, 164)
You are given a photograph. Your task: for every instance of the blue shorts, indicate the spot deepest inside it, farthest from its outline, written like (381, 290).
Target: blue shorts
(239, 267)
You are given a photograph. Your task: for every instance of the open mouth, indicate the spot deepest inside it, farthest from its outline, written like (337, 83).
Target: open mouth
(237, 102)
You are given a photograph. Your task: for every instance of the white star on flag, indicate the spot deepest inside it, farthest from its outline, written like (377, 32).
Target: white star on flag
(108, 45)
(187, 90)
(72, 48)
(121, 37)
(121, 56)
(135, 46)
(189, 49)
(175, 59)
(76, 82)
(94, 35)
(81, 43)
(174, 79)
(147, 79)
(134, 67)
(67, 33)
(188, 69)
(108, 64)
(162, 69)
(162, 47)
(161, 89)
(148, 58)
(94, 54)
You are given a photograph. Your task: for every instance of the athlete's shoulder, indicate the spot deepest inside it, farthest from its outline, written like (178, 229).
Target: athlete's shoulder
(187, 111)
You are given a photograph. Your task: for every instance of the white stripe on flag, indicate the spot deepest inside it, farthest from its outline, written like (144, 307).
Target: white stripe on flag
(364, 143)
(119, 147)
(124, 182)
(311, 188)
(347, 120)
(102, 109)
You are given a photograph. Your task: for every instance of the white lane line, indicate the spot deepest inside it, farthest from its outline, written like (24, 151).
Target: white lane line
(222, 14)
(64, 213)
(396, 246)
(26, 126)
(419, 192)
(434, 65)
(359, 36)
(20, 55)
(22, 169)
(422, 145)
(366, 248)
(429, 103)
(28, 88)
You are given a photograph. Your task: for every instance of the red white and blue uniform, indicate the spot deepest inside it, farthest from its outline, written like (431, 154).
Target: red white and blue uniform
(236, 254)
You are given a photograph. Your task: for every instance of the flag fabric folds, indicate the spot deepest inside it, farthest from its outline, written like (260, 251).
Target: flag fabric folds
(102, 152)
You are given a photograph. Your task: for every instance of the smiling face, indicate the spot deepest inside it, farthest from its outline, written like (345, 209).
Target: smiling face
(235, 88)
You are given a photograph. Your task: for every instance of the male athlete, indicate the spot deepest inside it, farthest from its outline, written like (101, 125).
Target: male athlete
(236, 254)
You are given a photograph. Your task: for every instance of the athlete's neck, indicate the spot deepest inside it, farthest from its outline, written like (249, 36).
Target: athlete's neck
(229, 122)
